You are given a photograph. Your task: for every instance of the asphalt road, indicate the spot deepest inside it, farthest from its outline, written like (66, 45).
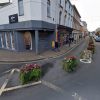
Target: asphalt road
(83, 84)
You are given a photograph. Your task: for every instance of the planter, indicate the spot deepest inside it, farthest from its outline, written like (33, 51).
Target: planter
(30, 72)
(91, 45)
(86, 56)
(70, 64)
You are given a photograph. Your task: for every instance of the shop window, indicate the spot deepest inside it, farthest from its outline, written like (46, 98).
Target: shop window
(12, 40)
(8, 40)
(2, 39)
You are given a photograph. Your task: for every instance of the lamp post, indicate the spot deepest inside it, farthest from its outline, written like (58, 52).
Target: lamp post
(56, 26)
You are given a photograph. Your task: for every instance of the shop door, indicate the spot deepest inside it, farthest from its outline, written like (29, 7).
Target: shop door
(28, 40)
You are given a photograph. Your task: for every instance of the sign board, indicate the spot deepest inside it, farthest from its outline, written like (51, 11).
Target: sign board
(13, 18)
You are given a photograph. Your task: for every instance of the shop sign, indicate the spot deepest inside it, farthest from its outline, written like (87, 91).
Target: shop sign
(13, 18)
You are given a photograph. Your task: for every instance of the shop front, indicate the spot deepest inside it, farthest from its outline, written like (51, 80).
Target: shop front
(7, 40)
(64, 33)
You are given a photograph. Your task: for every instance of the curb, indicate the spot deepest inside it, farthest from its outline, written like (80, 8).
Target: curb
(40, 59)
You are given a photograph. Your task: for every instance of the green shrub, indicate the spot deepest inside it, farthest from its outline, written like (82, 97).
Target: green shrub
(30, 72)
(70, 64)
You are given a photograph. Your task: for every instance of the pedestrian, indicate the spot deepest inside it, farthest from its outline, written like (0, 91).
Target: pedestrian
(53, 45)
(56, 46)
(69, 41)
(66, 40)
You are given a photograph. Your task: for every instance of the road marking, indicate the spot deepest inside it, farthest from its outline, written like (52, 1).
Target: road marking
(77, 97)
(52, 86)
(4, 89)
(6, 81)
(16, 69)
(22, 86)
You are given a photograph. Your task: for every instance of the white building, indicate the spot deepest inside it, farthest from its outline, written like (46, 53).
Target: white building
(31, 24)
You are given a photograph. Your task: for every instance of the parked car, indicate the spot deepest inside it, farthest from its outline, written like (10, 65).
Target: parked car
(97, 38)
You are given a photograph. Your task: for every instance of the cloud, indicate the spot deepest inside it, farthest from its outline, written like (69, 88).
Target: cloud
(89, 11)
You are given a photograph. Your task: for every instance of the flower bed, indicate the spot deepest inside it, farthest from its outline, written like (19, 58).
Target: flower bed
(69, 64)
(30, 72)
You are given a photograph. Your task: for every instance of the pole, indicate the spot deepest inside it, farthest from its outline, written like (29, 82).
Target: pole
(56, 28)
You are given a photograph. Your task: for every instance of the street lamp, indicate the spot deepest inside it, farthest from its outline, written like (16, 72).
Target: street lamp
(56, 26)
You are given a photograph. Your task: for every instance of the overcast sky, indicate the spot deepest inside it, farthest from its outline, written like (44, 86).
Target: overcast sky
(3, 1)
(89, 11)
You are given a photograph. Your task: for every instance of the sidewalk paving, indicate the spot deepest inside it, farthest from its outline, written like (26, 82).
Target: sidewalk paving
(14, 56)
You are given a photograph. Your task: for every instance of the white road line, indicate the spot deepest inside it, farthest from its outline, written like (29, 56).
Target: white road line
(7, 71)
(16, 69)
(77, 97)
(22, 86)
(52, 86)
(6, 81)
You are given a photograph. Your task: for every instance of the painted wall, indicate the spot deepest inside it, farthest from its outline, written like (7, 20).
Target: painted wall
(13, 9)
(37, 10)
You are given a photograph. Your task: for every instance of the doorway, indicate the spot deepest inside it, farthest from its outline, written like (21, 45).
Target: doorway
(28, 40)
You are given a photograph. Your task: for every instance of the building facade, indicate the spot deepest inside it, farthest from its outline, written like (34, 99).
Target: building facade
(34, 24)
(76, 24)
(84, 28)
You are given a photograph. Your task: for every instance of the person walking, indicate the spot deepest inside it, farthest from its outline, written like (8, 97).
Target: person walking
(53, 45)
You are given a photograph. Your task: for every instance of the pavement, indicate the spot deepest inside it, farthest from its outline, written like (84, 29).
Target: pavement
(14, 56)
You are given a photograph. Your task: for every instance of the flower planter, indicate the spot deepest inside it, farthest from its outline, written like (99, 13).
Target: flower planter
(70, 64)
(30, 72)
(91, 45)
(86, 56)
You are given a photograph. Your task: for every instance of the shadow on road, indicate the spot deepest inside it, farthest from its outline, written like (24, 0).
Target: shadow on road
(46, 67)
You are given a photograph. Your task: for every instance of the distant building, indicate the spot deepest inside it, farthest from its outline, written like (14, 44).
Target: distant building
(97, 31)
(76, 24)
(84, 28)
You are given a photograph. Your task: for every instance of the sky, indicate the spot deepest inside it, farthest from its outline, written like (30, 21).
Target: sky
(3, 1)
(89, 11)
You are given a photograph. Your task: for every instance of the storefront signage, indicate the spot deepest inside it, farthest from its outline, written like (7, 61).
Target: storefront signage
(13, 18)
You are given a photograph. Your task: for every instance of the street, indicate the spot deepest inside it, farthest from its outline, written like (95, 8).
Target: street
(83, 84)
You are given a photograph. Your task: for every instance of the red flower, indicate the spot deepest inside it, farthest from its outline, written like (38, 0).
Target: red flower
(70, 58)
(29, 67)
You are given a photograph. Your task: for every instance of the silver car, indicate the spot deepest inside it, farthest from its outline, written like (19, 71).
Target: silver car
(97, 38)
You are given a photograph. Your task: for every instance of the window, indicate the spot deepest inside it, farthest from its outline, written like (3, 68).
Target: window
(60, 14)
(48, 8)
(65, 4)
(69, 6)
(65, 20)
(20, 7)
(60, 1)
(12, 40)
